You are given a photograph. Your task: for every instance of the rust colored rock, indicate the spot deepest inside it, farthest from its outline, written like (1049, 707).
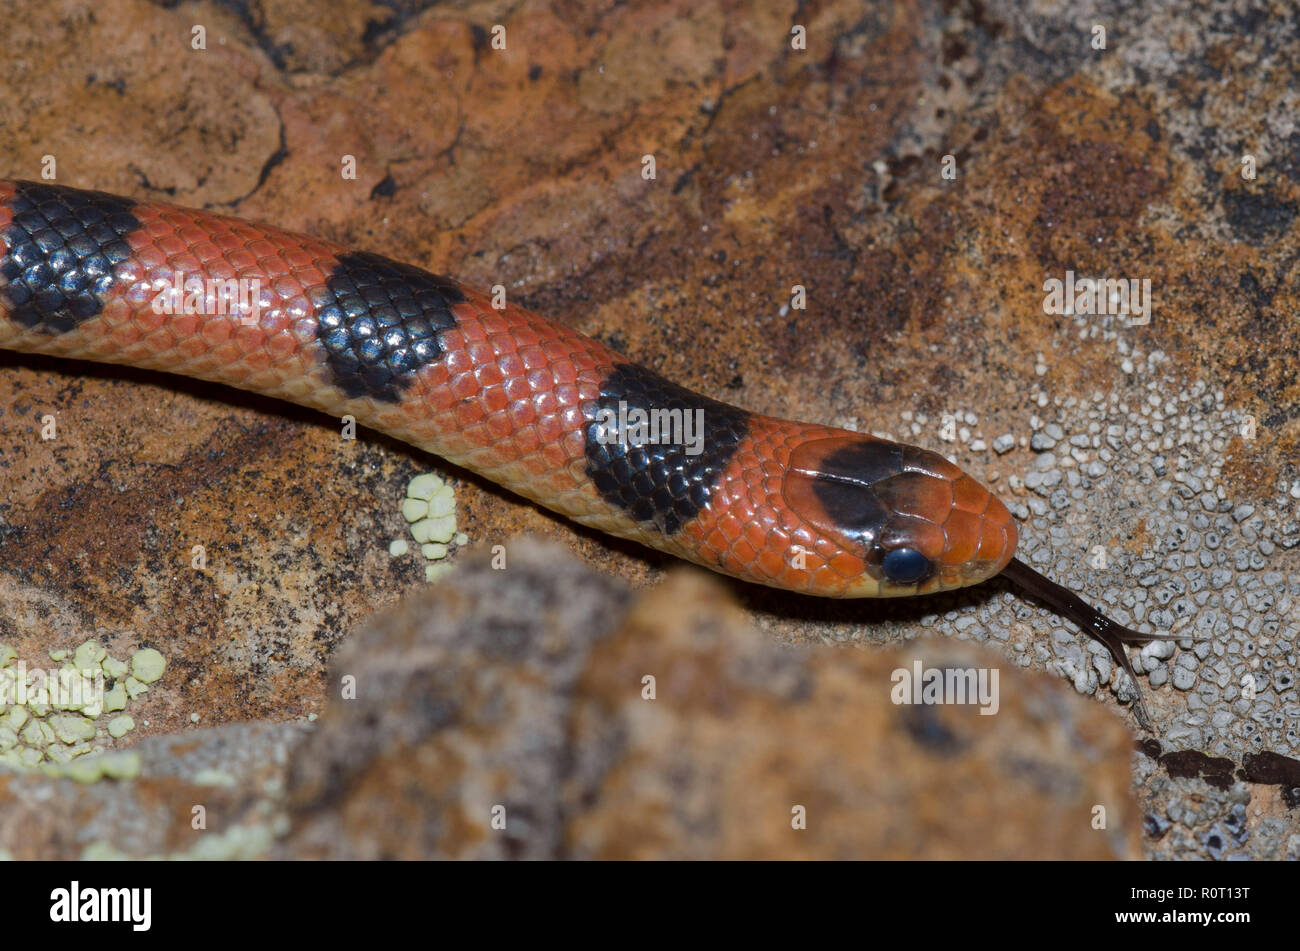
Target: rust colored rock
(588, 724)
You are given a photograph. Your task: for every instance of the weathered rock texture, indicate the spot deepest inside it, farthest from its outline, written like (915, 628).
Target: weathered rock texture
(524, 691)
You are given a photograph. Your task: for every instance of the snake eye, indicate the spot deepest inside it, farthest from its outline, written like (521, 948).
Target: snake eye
(905, 566)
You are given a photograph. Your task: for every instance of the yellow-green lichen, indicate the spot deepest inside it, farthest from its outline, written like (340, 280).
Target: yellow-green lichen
(71, 728)
(430, 510)
(90, 769)
(51, 720)
(213, 777)
(147, 665)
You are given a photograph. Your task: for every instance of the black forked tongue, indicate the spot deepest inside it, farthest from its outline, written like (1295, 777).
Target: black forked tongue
(1093, 623)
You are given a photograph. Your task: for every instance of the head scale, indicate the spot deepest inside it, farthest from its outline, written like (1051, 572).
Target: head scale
(917, 521)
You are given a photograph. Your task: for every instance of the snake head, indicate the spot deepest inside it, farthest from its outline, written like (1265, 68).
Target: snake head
(918, 522)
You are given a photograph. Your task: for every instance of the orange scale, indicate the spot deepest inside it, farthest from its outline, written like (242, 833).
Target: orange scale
(771, 563)
(788, 521)
(500, 426)
(226, 241)
(521, 414)
(220, 269)
(310, 276)
(535, 359)
(556, 348)
(260, 248)
(993, 541)
(249, 337)
(502, 344)
(171, 246)
(257, 359)
(714, 543)
(517, 388)
(439, 398)
(555, 455)
(215, 331)
(241, 260)
(825, 578)
(847, 566)
(564, 371)
(743, 550)
(205, 251)
(574, 443)
(191, 234)
(963, 532)
(546, 403)
(550, 429)
(148, 321)
(494, 398)
(281, 346)
(494, 324)
(566, 395)
(191, 348)
(183, 326)
(150, 257)
(480, 352)
(525, 337)
(803, 538)
(156, 227)
(464, 387)
(469, 413)
(186, 263)
(825, 548)
(533, 465)
(729, 527)
(757, 530)
(526, 440)
(287, 287)
(227, 355)
(489, 374)
(970, 495)
(539, 380)
(297, 308)
(456, 361)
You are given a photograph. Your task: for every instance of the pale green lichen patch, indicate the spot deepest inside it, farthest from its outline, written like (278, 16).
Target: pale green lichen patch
(71, 728)
(147, 665)
(214, 777)
(89, 769)
(430, 512)
(53, 719)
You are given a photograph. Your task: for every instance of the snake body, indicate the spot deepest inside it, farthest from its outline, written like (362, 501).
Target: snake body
(527, 402)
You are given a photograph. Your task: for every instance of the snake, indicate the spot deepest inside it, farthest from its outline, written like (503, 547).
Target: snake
(529, 403)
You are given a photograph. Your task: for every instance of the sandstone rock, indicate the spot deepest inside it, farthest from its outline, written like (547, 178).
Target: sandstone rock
(525, 691)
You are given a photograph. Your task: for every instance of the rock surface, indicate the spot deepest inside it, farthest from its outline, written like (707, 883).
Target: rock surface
(521, 696)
